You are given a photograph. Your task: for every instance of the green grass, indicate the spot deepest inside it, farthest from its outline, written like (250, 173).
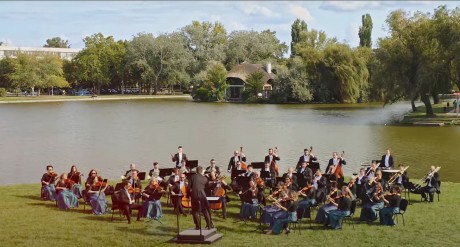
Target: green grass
(438, 110)
(26, 220)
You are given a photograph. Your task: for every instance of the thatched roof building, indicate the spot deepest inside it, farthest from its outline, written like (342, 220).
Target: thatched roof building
(237, 76)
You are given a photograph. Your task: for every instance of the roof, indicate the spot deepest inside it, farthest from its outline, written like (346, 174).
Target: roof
(243, 70)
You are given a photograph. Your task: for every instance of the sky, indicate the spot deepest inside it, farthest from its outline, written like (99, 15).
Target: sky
(29, 24)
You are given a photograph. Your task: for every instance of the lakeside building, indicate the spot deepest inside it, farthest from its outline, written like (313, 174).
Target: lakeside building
(237, 76)
(63, 53)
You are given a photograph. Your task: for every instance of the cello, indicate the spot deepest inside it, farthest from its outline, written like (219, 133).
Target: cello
(186, 201)
(218, 191)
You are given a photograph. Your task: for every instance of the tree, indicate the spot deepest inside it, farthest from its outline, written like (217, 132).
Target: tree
(213, 82)
(293, 83)
(7, 66)
(365, 31)
(51, 73)
(25, 73)
(254, 86)
(296, 29)
(57, 42)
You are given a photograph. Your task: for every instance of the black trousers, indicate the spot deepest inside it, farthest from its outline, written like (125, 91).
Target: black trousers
(201, 206)
(177, 203)
(127, 210)
(429, 190)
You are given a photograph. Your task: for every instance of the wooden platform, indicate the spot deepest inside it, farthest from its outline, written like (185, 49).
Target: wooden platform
(192, 236)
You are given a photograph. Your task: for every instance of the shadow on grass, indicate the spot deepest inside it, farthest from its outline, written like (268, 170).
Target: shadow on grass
(48, 204)
(31, 197)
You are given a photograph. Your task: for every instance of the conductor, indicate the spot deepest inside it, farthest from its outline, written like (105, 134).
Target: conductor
(197, 185)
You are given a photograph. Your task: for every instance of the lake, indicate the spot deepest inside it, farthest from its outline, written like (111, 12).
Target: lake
(109, 135)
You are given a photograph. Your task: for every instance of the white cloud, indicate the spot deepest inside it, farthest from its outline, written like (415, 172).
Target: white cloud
(300, 12)
(234, 25)
(255, 9)
(345, 6)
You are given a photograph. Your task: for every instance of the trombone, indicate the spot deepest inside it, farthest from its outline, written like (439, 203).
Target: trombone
(396, 176)
(429, 175)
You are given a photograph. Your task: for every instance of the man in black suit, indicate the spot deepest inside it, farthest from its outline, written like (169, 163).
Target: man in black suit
(176, 194)
(178, 157)
(432, 184)
(213, 166)
(333, 163)
(127, 203)
(237, 156)
(271, 158)
(197, 190)
(386, 163)
(306, 174)
(307, 156)
(290, 174)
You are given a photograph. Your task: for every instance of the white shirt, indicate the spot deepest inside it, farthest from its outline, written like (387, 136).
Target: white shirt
(129, 196)
(335, 161)
(180, 158)
(270, 157)
(235, 159)
(306, 158)
(387, 158)
(182, 183)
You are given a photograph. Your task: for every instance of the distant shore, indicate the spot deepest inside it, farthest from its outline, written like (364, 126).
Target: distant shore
(445, 116)
(60, 98)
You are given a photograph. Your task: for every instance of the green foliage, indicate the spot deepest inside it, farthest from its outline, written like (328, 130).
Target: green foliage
(3, 92)
(213, 82)
(7, 66)
(57, 42)
(365, 31)
(296, 29)
(254, 86)
(203, 94)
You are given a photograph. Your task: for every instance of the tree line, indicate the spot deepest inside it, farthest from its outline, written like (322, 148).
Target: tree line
(419, 59)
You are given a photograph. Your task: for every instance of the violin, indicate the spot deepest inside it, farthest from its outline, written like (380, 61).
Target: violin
(132, 190)
(69, 183)
(100, 182)
(260, 182)
(306, 189)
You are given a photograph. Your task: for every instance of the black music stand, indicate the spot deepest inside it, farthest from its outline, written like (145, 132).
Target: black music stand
(191, 164)
(141, 176)
(314, 166)
(278, 179)
(265, 174)
(236, 173)
(243, 182)
(165, 172)
(119, 186)
(258, 165)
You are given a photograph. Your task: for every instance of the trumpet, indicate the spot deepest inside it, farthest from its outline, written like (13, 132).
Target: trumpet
(429, 175)
(396, 176)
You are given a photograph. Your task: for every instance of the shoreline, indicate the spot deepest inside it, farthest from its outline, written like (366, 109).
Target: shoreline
(89, 98)
(444, 116)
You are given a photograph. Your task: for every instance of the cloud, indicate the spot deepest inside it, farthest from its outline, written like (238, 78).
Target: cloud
(234, 25)
(255, 9)
(348, 6)
(351, 34)
(300, 12)
(7, 41)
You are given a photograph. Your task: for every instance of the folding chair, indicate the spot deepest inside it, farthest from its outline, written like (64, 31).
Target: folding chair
(402, 210)
(349, 217)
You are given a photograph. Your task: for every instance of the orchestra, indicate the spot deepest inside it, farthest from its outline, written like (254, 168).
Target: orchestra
(298, 188)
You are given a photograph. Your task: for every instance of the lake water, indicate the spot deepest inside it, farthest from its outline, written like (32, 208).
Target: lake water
(109, 135)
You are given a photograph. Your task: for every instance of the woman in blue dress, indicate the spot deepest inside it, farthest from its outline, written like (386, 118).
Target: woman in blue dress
(65, 198)
(75, 176)
(97, 196)
(393, 200)
(48, 180)
(291, 214)
(151, 197)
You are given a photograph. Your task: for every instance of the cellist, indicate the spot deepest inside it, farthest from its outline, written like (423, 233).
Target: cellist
(176, 193)
(218, 187)
(237, 156)
(271, 158)
(335, 164)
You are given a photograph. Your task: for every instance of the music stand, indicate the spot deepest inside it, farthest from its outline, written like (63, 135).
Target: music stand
(258, 165)
(119, 186)
(243, 182)
(191, 164)
(265, 174)
(141, 175)
(165, 172)
(278, 179)
(236, 173)
(314, 166)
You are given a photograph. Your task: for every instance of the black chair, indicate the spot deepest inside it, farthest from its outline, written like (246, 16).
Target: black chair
(85, 200)
(115, 204)
(439, 191)
(402, 210)
(349, 217)
(296, 224)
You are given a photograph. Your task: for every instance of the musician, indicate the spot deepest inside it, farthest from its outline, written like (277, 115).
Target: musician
(155, 172)
(48, 188)
(96, 194)
(387, 161)
(343, 208)
(176, 193)
(333, 165)
(309, 197)
(178, 157)
(75, 176)
(184, 168)
(237, 156)
(238, 167)
(403, 178)
(271, 158)
(270, 181)
(375, 202)
(215, 182)
(360, 182)
(136, 184)
(212, 165)
(370, 171)
(128, 173)
(127, 203)
(290, 174)
(352, 186)
(323, 211)
(64, 196)
(307, 174)
(152, 195)
(251, 199)
(306, 157)
(260, 186)
(249, 173)
(319, 183)
(432, 184)
(392, 200)
(174, 177)
(197, 185)
(291, 214)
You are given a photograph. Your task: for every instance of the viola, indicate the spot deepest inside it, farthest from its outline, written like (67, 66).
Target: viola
(132, 190)
(306, 188)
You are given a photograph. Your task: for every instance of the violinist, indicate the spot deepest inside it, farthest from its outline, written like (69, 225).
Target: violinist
(289, 214)
(271, 158)
(155, 172)
(352, 186)
(237, 156)
(343, 208)
(212, 165)
(306, 157)
(75, 176)
(375, 202)
(96, 193)
(152, 195)
(289, 184)
(292, 177)
(64, 197)
(251, 200)
(392, 200)
(136, 185)
(309, 197)
(178, 157)
(335, 163)
(176, 193)
(127, 203)
(323, 211)
(260, 186)
(217, 182)
(307, 174)
(48, 188)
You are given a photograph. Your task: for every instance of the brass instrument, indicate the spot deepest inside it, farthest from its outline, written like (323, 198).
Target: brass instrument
(429, 175)
(396, 176)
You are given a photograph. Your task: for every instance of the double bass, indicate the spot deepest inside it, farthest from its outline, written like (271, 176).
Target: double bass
(275, 166)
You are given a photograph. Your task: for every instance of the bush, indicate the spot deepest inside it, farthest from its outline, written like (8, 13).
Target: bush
(3, 92)
(203, 94)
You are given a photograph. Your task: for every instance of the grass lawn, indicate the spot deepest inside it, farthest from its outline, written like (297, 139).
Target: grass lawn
(438, 110)
(26, 220)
